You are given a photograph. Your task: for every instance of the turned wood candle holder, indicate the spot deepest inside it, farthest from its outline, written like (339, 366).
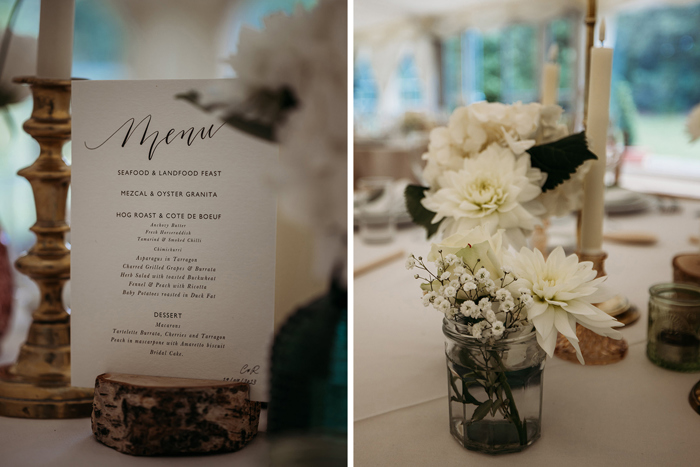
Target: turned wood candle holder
(596, 349)
(38, 384)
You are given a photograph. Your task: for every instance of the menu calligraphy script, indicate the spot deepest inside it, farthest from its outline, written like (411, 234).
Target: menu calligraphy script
(173, 233)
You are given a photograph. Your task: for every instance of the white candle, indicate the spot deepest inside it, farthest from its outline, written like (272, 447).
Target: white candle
(593, 209)
(55, 48)
(550, 78)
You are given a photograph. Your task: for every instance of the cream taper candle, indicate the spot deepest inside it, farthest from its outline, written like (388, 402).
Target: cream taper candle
(593, 209)
(550, 78)
(55, 48)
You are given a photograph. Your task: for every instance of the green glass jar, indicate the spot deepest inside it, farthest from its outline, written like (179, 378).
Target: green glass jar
(674, 326)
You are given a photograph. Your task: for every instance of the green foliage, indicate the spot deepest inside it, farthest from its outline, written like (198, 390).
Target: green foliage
(482, 410)
(562, 33)
(658, 52)
(561, 158)
(625, 111)
(420, 215)
(521, 57)
(492, 67)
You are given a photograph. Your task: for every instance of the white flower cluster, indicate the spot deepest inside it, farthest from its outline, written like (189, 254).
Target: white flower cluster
(473, 128)
(552, 296)
(472, 297)
(479, 172)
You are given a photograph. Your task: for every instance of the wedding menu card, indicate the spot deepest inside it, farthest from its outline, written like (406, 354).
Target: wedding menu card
(173, 238)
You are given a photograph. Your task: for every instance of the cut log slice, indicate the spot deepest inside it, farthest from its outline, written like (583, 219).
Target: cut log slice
(154, 415)
(686, 268)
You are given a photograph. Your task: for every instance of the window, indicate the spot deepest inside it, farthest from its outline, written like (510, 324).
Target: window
(656, 81)
(504, 65)
(660, 71)
(410, 93)
(365, 89)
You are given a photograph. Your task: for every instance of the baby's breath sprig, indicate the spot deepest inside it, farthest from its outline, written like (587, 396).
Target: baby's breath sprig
(467, 294)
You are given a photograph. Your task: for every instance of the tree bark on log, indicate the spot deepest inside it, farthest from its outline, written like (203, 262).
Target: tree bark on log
(152, 415)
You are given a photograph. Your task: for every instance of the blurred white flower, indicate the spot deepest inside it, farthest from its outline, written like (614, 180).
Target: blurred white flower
(503, 294)
(568, 196)
(461, 240)
(471, 129)
(410, 262)
(563, 291)
(482, 274)
(470, 309)
(305, 55)
(497, 328)
(451, 259)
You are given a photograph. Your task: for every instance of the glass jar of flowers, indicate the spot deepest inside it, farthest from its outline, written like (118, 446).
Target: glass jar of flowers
(503, 310)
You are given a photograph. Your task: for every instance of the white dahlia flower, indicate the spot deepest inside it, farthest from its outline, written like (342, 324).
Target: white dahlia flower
(563, 291)
(495, 190)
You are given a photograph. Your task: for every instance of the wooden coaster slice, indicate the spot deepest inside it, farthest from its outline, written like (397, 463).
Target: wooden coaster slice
(154, 415)
(686, 268)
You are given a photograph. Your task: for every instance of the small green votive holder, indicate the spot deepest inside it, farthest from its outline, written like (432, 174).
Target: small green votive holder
(674, 326)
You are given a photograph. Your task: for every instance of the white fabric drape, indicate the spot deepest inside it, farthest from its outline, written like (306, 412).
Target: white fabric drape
(386, 30)
(390, 15)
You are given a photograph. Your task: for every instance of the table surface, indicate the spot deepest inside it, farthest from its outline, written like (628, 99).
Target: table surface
(70, 443)
(628, 413)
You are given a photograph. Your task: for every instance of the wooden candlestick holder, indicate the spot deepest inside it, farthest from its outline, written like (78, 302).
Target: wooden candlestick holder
(596, 349)
(38, 384)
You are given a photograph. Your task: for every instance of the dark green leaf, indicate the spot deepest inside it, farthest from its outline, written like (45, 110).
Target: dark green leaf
(481, 411)
(452, 382)
(468, 398)
(420, 215)
(560, 159)
(496, 406)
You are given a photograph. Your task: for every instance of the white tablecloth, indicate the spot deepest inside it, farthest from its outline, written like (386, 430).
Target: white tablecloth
(629, 413)
(70, 443)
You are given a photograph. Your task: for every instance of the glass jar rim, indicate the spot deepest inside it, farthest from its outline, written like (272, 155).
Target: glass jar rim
(451, 330)
(656, 290)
